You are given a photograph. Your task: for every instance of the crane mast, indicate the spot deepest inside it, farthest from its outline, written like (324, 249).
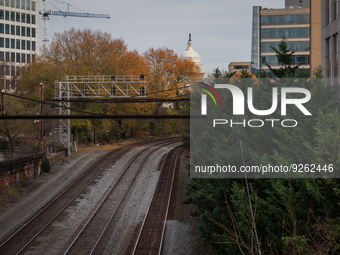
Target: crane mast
(46, 13)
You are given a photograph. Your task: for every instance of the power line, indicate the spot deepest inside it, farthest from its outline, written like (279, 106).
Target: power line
(119, 100)
(97, 116)
(44, 102)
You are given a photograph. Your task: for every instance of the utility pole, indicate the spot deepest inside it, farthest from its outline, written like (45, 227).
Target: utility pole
(41, 133)
(2, 104)
(94, 132)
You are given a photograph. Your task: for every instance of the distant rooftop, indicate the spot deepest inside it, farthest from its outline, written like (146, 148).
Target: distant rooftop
(296, 4)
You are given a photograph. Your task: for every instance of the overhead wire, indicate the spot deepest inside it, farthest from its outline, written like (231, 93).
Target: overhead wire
(44, 102)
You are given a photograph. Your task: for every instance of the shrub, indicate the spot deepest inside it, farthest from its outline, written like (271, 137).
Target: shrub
(46, 166)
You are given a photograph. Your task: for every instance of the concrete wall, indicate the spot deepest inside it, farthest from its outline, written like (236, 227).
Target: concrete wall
(14, 170)
(55, 158)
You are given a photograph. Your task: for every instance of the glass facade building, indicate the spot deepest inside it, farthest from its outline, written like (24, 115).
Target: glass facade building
(255, 41)
(19, 38)
(270, 26)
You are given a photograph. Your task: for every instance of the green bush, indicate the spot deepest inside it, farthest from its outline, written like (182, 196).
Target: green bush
(46, 166)
(3, 144)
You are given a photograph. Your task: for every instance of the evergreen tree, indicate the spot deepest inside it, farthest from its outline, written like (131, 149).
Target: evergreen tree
(229, 75)
(285, 59)
(284, 208)
(217, 73)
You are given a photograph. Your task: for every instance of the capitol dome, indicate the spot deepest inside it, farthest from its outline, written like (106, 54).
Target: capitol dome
(193, 55)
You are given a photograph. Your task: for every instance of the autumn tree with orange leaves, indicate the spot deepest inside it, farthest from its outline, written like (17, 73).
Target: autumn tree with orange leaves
(87, 52)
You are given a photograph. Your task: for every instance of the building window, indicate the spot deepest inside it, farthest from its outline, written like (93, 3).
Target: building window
(2, 2)
(7, 29)
(1, 14)
(28, 31)
(23, 4)
(284, 19)
(33, 32)
(33, 19)
(12, 57)
(13, 3)
(28, 19)
(33, 57)
(336, 56)
(290, 32)
(297, 59)
(18, 30)
(28, 58)
(241, 67)
(328, 58)
(17, 4)
(6, 15)
(7, 56)
(12, 30)
(28, 45)
(33, 6)
(1, 28)
(17, 14)
(28, 5)
(2, 42)
(23, 17)
(336, 11)
(23, 31)
(23, 58)
(33, 46)
(18, 44)
(7, 3)
(7, 43)
(23, 44)
(12, 16)
(12, 70)
(2, 56)
(12, 44)
(329, 12)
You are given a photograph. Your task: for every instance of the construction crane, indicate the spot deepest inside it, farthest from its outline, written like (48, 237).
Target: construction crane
(46, 13)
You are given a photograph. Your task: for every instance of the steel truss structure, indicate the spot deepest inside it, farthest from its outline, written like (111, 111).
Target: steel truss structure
(78, 87)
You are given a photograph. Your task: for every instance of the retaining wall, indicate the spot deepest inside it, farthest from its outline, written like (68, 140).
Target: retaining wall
(14, 170)
(55, 158)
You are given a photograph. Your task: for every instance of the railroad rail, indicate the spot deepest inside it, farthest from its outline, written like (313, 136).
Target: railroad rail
(89, 237)
(151, 234)
(21, 240)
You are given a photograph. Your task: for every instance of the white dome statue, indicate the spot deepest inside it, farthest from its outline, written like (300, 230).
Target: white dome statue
(193, 55)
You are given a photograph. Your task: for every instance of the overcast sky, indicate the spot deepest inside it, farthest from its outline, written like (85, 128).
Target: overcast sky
(221, 30)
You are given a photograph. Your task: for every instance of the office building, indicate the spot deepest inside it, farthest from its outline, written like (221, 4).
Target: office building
(239, 66)
(271, 25)
(293, 4)
(315, 35)
(19, 38)
(330, 28)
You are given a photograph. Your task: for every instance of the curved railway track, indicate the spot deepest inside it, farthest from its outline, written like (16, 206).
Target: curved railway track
(151, 234)
(23, 238)
(87, 240)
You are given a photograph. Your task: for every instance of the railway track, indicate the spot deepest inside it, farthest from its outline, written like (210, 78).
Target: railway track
(151, 234)
(24, 237)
